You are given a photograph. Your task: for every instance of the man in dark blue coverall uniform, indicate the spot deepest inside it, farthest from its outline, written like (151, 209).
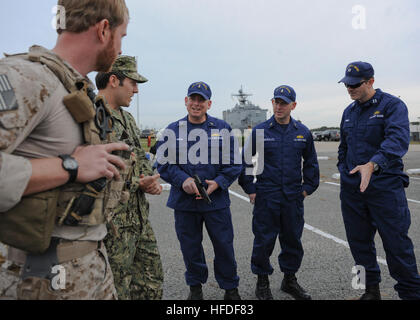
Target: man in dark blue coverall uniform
(375, 136)
(218, 170)
(279, 192)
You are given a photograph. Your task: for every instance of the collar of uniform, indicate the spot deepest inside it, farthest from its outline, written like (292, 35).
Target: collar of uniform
(272, 123)
(185, 119)
(210, 121)
(118, 115)
(372, 101)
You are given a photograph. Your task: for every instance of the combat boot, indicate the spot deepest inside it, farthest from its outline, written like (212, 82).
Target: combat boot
(196, 293)
(371, 293)
(262, 291)
(232, 294)
(290, 286)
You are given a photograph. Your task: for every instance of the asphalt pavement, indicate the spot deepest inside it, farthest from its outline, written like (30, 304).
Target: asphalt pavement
(326, 270)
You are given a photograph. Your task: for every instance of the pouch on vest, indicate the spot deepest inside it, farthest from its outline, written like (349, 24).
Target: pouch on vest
(79, 104)
(29, 225)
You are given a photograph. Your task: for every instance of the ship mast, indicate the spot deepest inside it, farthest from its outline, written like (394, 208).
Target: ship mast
(242, 97)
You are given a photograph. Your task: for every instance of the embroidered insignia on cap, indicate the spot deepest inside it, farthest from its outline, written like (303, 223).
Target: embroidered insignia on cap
(355, 68)
(282, 89)
(8, 100)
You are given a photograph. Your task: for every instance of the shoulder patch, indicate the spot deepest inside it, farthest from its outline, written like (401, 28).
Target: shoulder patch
(8, 100)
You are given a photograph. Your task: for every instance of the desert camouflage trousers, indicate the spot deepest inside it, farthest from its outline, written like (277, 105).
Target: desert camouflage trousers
(135, 262)
(86, 278)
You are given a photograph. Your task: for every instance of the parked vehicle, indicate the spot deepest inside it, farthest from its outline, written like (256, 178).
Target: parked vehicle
(317, 135)
(331, 135)
(146, 132)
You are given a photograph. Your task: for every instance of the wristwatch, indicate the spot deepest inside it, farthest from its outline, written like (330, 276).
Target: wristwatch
(71, 166)
(375, 166)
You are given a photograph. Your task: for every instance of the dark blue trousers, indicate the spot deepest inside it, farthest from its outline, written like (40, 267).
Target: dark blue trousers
(385, 211)
(276, 216)
(189, 229)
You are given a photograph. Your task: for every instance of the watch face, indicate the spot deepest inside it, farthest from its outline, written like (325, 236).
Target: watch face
(70, 164)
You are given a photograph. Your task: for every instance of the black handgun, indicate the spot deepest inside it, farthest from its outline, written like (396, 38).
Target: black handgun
(83, 205)
(202, 189)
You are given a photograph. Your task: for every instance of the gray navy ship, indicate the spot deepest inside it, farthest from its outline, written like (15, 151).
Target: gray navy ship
(244, 115)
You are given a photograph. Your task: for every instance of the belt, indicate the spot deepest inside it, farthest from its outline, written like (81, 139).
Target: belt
(66, 251)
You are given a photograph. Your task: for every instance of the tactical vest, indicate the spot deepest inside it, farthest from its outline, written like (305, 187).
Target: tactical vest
(29, 225)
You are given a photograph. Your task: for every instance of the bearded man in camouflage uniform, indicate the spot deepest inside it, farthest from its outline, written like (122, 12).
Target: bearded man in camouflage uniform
(44, 157)
(131, 243)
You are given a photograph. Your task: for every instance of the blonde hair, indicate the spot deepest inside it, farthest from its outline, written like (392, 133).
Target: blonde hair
(83, 14)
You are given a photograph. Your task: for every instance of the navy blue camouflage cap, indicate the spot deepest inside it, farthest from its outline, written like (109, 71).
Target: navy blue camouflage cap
(286, 93)
(201, 88)
(356, 72)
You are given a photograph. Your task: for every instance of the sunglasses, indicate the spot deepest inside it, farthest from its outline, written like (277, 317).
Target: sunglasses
(355, 86)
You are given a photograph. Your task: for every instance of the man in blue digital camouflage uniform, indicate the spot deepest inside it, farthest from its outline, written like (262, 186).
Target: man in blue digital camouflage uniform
(279, 192)
(131, 243)
(375, 136)
(217, 170)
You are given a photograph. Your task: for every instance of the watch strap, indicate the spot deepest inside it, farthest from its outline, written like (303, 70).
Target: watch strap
(72, 173)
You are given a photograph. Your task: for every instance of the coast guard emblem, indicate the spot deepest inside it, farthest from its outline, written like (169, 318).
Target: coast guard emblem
(8, 100)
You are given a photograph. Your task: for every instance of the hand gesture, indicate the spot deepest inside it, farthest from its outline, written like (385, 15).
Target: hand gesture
(365, 171)
(150, 184)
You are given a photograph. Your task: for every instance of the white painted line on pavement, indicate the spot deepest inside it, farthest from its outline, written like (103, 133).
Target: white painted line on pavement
(339, 241)
(239, 196)
(315, 230)
(414, 178)
(413, 171)
(323, 158)
(332, 183)
(327, 235)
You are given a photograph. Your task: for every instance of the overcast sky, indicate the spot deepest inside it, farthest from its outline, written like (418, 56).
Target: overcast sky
(259, 44)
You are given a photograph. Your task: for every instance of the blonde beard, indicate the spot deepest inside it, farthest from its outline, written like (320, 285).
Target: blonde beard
(106, 57)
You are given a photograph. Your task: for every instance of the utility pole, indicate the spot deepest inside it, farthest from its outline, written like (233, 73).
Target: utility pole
(138, 100)
(138, 111)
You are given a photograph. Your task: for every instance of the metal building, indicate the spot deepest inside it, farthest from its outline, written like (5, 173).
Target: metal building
(415, 131)
(244, 114)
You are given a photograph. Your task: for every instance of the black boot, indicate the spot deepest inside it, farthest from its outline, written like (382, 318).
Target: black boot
(371, 293)
(290, 286)
(263, 291)
(196, 293)
(232, 294)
